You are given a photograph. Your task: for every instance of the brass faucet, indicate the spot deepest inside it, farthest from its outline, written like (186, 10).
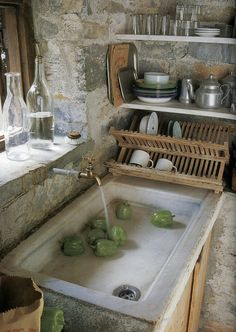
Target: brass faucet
(87, 174)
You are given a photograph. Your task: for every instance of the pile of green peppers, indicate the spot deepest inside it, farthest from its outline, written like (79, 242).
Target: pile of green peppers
(105, 244)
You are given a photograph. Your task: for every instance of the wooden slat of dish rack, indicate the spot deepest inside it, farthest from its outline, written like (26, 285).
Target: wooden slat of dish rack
(199, 156)
(170, 145)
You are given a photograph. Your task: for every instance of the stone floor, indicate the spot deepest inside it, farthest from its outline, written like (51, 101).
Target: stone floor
(219, 307)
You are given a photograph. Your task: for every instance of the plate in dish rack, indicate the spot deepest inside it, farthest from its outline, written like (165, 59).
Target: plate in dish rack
(177, 131)
(152, 125)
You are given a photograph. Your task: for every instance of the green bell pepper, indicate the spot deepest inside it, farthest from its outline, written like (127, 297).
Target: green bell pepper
(124, 211)
(118, 235)
(162, 218)
(99, 222)
(52, 320)
(94, 235)
(105, 248)
(73, 246)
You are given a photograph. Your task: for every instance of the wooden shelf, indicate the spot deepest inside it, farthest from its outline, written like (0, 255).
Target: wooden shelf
(176, 107)
(188, 39)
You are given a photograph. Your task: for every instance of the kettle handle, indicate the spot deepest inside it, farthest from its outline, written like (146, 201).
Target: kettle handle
(227, 93)
(190, 90)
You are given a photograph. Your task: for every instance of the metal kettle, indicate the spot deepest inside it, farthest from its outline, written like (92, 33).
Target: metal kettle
(186, 95)
(209, 94)
(229, 82)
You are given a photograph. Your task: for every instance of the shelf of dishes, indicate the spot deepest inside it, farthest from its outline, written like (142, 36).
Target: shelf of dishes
(157, 92)
(174, 106)
(187, 153)
(168, 38)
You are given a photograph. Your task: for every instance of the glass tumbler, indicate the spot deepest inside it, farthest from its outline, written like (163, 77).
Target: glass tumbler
(165, 25)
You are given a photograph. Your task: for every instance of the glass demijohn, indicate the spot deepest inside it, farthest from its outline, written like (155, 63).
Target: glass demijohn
(40, 105)
(15, 120)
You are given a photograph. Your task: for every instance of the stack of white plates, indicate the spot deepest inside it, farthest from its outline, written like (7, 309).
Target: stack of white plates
(207, 32)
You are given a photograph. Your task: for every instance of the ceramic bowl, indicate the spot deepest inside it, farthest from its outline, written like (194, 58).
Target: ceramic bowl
(154, 100)
(156, 78)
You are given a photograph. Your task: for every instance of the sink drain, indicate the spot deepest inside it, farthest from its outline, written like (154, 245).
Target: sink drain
(127, 292)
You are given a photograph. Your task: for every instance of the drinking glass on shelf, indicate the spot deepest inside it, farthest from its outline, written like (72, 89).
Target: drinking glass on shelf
(179, 15)
(150, 25)
(186, 31)
(147, 24)
(173, 27)
(157, 24)
(165, 23)
(135, 24)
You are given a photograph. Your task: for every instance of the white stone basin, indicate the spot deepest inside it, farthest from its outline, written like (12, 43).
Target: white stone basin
(155, 260)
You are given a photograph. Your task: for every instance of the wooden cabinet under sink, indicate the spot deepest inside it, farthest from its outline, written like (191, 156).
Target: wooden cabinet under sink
(187, 312)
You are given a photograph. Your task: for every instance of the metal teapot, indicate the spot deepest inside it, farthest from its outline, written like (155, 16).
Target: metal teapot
(229, 82)
(209, 94)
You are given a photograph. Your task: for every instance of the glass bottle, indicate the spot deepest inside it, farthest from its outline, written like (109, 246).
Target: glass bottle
(40, 105)
(15, 120)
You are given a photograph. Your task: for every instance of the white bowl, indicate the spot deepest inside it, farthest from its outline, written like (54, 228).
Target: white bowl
(156, 78)
(154, 100)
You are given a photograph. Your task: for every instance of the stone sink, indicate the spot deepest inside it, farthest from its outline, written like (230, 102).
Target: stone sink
(155, 260)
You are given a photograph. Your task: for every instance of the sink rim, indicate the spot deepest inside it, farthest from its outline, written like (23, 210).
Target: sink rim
(148, 308)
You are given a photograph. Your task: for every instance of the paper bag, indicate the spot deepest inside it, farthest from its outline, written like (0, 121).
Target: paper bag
(21, 305)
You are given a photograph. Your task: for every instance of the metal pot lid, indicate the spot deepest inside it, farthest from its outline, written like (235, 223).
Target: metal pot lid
(211, 83)
(229, 79)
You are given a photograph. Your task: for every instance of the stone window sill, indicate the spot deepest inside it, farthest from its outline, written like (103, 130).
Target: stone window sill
(60, 153)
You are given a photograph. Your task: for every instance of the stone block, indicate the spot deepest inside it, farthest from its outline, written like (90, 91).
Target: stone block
(95, 66)
(48, 29)
(157, 51)
(93, 30)
(111, 7)
(213, 52)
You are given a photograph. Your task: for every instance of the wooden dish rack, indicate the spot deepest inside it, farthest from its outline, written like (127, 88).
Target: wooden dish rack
(199, 156)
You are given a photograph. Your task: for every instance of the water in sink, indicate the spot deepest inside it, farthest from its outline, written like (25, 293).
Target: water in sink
(137, 262)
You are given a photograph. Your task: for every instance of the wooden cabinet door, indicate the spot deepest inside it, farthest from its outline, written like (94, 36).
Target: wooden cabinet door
(199, 278)
(179, 320)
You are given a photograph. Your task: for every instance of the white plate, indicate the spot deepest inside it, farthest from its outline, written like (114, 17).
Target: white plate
(170, 128)
(207, 34)
(152, 125)
(143, 124)
(177, 131)
(154, 100)
(207, 29)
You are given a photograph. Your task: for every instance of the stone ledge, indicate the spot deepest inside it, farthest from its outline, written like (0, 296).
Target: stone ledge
(17, 178)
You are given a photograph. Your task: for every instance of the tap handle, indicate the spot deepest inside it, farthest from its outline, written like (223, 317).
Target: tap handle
(90, 160)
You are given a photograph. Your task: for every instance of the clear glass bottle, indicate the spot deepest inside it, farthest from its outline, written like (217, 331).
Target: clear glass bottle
(40, 105)
(15, 120)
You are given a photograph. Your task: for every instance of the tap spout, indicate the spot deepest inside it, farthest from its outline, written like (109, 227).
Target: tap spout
(89, 175)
